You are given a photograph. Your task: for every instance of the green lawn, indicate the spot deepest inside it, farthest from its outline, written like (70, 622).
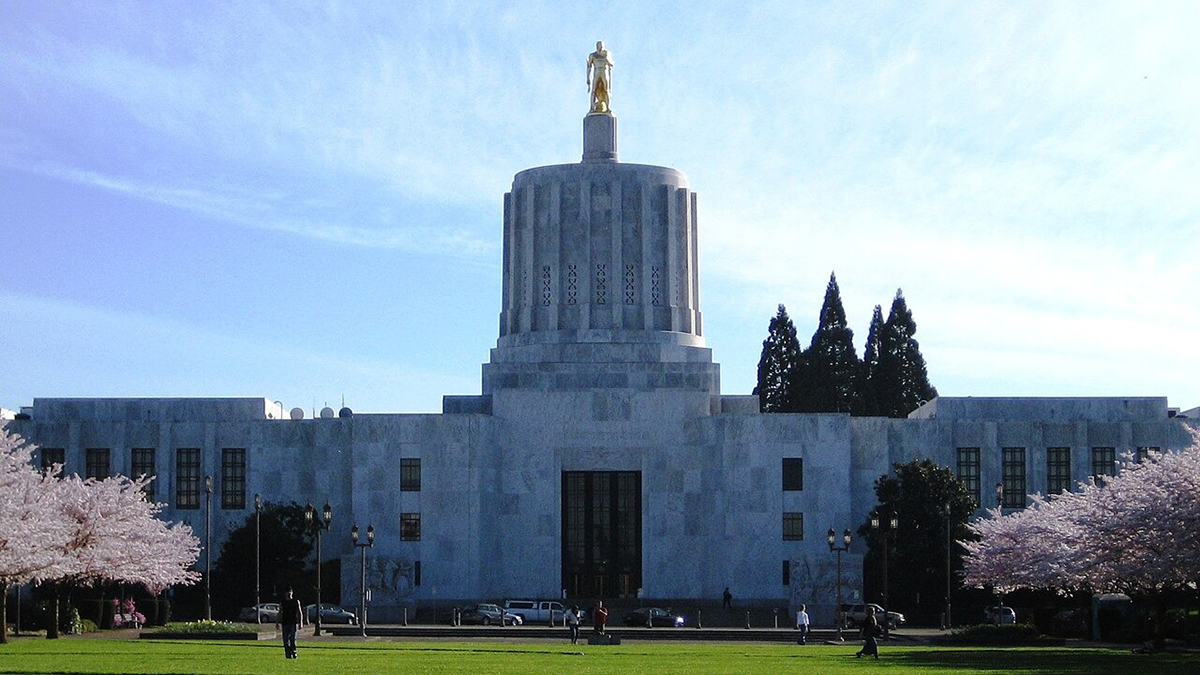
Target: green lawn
(83, 655)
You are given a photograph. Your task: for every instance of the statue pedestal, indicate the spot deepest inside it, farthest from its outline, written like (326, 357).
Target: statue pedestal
(600, 137)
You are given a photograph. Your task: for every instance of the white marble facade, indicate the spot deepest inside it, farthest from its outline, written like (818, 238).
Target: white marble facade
(600, 365)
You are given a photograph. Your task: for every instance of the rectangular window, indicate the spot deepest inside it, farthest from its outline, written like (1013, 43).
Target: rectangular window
(1058, 470)
(141, 463)
(97, 462)
(410, 527)
(968, 472)
(233, 478)
(1013, 465)
(793, 474)
(410, 474)
(787, 572)
(793, 526)
(52, 456)
(1144, 451)
(1104, 463)
(187, 478)
(417, 573)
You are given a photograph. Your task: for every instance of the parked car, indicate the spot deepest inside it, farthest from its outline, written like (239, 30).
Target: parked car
(330, 614)
(855, 615)
(657, 616)
(536, 611)
(487, 614)
(268, 612)
(999, 614)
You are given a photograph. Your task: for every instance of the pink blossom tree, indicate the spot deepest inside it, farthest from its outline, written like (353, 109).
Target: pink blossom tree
(33, 531)
(1135, 533)
(116, 537)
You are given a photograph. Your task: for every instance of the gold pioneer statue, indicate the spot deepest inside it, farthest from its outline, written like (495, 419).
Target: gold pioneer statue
(599, 78)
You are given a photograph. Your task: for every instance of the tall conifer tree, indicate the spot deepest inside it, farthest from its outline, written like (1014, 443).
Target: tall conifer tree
(868, 395)
(778, 364)
(902, 381)
(829, 376)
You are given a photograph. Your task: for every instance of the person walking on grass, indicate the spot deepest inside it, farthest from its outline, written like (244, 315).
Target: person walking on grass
(573, 623)
(870, 630)
(291, 617)
(600, 617)
(802, 624)
(727, 599)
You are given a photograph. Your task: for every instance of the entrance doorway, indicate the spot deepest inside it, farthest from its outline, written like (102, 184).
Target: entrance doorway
(602, 533)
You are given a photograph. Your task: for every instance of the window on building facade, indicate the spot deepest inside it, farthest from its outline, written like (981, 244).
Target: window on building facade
(787, 572)
(410, 527)
(968, 472)
(793, 474)
(410, 474)
(187, 478)
(97, 461)
(1104, 463)
(416, 573)
(1013, 470)
(52, 456)
(1144, 451)
(233, 478)
(1058, 470)
(793, 526)
(141, 463)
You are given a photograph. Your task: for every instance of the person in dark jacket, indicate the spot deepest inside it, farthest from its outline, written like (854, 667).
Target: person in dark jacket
(870, 630)
(291, 617)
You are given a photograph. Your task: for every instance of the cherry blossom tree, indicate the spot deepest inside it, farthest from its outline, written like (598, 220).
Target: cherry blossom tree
(33, 531)
(1135, 533)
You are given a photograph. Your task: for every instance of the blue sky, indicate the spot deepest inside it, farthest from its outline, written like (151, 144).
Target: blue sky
(302, 201)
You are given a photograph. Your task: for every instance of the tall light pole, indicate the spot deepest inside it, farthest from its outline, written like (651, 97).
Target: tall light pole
(317, 525)
(362, 588)
(888, 526)
(831, 537)
(208, 489)
(257, 559)
(949, 621)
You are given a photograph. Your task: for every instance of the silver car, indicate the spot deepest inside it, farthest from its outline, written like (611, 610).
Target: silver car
(999, 614)
(266, 612)
(330, 614)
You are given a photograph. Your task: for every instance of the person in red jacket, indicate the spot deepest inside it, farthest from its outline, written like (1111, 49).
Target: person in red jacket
(600, 617)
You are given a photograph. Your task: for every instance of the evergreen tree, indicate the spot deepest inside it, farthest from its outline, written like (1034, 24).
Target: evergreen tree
(868, 395)
(902, 382)
(778, 365)
(828, 380)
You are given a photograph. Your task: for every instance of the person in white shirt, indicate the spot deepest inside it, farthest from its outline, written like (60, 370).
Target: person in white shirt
(573, 623)
(802, 624)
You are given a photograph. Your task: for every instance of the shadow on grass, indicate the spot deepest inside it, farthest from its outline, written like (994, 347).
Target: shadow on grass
(1063, 661)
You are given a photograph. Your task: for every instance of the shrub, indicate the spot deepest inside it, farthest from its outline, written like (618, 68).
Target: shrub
(1006, 635)
(204, 626)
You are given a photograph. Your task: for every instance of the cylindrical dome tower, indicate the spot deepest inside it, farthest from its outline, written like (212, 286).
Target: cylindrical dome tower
(600, 272)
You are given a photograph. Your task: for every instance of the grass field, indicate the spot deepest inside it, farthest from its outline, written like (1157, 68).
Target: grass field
(82, 655)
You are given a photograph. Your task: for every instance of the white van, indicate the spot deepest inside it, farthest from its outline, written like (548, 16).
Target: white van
(536, 611)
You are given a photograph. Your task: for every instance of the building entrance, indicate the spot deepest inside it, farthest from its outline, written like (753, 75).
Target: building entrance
(602, 533)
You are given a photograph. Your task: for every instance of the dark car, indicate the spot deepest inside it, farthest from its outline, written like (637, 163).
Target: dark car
(330, 614)
(486, 614)
(655, 616)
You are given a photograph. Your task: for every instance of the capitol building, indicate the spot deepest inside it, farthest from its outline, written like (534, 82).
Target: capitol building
(601, 459)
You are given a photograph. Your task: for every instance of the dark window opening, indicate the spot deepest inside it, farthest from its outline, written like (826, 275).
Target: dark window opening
(793, 474)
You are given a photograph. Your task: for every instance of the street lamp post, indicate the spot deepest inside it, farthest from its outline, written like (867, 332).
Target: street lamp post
(257, 559)
(317, 525)
(888, 526)
(831, 537)
(949, 621)
(208, 489)
(362, 588)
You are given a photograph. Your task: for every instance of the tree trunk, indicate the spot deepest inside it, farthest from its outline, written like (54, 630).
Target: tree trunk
(52, 629)
(1160, 620)
(4, 613)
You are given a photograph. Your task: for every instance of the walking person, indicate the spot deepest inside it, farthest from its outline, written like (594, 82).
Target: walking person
(291, 617)
(802, 624)
(870, 630)
(573, 623)
(727, 599)
(600, 617)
